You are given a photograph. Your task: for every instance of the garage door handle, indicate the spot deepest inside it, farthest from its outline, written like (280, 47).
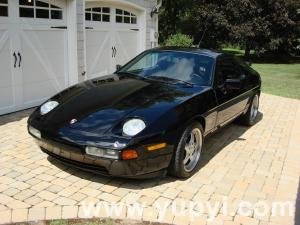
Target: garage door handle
(20, 59)
(15, 56)
(114, 51)
(89, 28)
(59, 27)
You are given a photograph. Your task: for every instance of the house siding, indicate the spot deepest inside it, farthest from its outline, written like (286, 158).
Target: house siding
(80, 8)
(151, 23)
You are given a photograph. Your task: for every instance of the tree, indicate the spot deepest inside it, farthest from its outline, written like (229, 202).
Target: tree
(248, 27)
(171, 17)
(209, 21)
(261, 25)
(180, 40)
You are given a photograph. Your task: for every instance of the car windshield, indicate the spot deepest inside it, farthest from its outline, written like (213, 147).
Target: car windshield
(184, 67)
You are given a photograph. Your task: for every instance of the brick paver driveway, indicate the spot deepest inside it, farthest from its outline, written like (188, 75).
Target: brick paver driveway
(254, 164)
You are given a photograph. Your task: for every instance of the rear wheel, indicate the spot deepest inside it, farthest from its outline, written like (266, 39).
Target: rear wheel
(249, 118)
(187, 154)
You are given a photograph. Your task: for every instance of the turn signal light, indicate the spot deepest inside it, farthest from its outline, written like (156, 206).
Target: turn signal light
(129, 154)
(156, 147)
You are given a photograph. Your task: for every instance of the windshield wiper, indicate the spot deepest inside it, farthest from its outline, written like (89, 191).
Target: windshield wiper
(126, 73)
(171, 79)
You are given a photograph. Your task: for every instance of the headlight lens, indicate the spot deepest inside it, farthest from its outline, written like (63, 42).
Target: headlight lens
(48, 106)
(133, 127)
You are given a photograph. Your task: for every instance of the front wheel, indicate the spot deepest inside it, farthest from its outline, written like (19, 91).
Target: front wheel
(187, 154)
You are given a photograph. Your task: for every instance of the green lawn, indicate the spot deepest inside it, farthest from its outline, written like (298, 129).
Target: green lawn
(280, 79)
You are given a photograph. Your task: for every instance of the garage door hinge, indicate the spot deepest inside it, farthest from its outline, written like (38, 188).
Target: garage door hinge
(59, 27)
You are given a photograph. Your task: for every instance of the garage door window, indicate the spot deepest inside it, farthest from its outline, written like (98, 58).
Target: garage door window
(3, 8)
(123, 16)
(39, 9)
(101, 14)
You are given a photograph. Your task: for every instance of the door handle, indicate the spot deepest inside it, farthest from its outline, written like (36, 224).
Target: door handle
(112, 49)
(20, 58)
(222, 88)
(15, 57)
(59, 27)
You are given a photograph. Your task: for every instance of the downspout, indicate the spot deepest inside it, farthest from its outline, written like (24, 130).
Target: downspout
(154, 31)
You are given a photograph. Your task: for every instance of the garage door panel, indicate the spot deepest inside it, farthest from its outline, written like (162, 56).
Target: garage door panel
(7, 99)
(5, 59)
(126, 43)
(6, 78)
(37, 32)
(98, 57)
(42, 90)
(43, 65)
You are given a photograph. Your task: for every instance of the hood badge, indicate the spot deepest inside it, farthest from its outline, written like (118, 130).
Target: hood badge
(118, 145)
(73, 121)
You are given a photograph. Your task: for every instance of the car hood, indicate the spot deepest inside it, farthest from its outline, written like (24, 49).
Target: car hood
(96, 106)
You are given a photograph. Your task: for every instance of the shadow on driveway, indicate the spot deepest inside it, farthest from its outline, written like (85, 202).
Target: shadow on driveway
(15, 116)
(212, 146)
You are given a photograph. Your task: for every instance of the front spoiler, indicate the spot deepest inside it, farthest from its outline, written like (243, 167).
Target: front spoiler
(100, 171)
(136, 168)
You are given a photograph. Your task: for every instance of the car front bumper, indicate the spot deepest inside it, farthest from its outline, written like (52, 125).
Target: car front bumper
(145, 167)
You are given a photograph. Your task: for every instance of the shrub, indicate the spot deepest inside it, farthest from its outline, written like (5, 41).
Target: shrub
(179, 40)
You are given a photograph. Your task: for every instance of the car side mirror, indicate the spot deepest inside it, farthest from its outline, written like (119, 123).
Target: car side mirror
(233, 84)
(118, 67)
(248, 63)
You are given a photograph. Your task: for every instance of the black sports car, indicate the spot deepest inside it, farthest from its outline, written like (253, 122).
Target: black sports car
(150, 116)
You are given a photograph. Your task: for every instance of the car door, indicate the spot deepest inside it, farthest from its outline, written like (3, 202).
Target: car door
(229, 87)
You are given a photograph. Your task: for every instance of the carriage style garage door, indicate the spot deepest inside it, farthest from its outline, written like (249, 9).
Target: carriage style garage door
(33, 52)
(112, 37)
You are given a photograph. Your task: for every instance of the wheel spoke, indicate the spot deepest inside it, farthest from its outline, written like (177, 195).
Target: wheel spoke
(192, 139)
(192, 149)
(186, 159)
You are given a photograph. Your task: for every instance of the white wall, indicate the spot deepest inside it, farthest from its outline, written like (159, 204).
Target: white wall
(80, 8)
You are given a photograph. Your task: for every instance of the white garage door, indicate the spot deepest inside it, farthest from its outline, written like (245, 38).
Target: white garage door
(112, 37)
(33, 52)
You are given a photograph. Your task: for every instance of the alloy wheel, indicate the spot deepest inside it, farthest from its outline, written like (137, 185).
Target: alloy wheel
(192, 149)
(254, 108)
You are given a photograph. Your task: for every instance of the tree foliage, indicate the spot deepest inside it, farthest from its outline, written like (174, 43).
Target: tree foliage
(180, 40)
(261, 25)
(171, 17)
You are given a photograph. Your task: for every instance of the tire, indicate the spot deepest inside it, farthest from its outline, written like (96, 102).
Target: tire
(183, 165)
(249, 118)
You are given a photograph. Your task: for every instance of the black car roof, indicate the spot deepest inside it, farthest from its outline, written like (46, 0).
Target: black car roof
(208, 52)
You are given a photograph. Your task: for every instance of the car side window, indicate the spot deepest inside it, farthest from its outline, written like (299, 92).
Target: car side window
(230, 68)
(227, 68)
